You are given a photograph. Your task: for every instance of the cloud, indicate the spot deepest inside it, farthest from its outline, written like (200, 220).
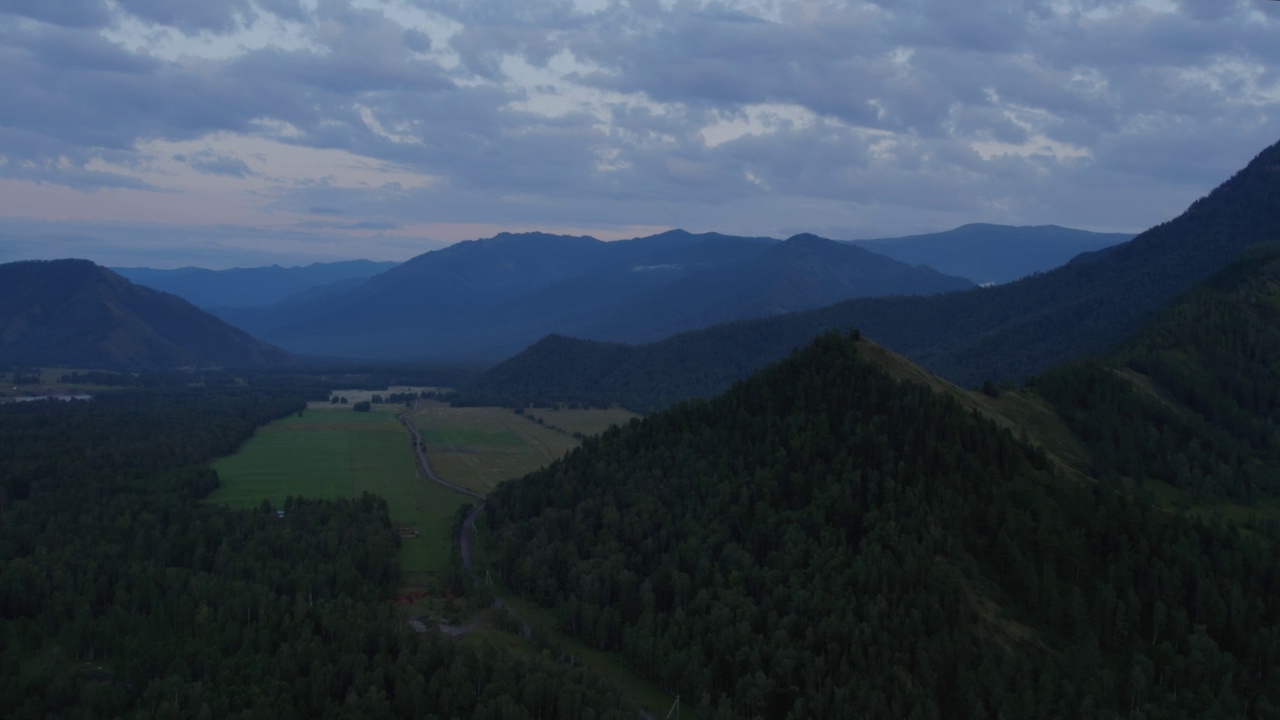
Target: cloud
(361, 225)
(218, 165)
(191, 16)
(754, 117)
(69, 13)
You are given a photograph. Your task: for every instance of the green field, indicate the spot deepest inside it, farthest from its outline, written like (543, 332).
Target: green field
(477, 448)
(331, 453)
(587, 422)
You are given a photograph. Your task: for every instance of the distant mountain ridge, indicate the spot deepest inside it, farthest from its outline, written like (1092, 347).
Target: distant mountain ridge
(252, 287)
(73, 313)
(1008, 331)
(986, 253)
(486, 299)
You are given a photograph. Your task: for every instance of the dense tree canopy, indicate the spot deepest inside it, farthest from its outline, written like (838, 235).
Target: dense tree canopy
(122, 595)
(1194, 399)
(824, 540)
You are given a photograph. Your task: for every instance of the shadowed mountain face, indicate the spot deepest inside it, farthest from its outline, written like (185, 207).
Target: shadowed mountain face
(252, 287)
(486, 299)
(77, 314)
(802, 272)
(826, 540)
(1009, 331)
(986, 253)
(1193, 400)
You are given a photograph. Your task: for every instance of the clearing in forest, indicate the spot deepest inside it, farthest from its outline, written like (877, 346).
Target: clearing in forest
(335, 452)
(479, 447)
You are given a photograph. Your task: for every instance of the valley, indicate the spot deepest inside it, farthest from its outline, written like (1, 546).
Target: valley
(330, 452)
(478, 448)
(581, 360)
(336, 453)
(797, 514)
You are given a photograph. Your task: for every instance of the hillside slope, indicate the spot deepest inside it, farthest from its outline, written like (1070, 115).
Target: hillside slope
(76, 314)
(824, 540)
(1193, 400)
(1006, 332)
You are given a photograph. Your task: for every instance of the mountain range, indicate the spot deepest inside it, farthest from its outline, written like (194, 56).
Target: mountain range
(994, 254)
(487, 299)
(1098, 543)
(254, 287)
(840, 532)
(1006, 332)
(73, 313)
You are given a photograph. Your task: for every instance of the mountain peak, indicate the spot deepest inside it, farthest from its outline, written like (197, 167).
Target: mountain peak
(76, 313)
(673, 233)
(535, 236)
(807, 239)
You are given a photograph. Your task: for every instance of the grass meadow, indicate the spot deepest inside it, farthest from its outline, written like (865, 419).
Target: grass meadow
(479, 447)
(587, 422)
(331, 452)
(335, 452)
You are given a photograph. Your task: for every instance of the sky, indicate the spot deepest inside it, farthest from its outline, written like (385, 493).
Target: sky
(224, 133)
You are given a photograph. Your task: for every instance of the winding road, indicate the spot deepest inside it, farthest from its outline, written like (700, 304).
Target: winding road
(420, 450)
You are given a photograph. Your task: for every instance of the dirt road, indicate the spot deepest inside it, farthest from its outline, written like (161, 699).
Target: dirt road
(420, 450)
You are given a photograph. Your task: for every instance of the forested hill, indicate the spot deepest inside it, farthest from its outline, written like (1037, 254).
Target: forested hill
(826, 541)
(1005, 332)
(74, 313)
(1194, 399)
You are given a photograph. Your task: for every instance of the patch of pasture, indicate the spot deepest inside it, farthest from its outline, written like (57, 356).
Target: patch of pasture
(478, 448)
(341, 453)
(586, 422)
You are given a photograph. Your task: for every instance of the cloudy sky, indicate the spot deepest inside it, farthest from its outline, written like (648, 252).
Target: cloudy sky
(245, 132)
